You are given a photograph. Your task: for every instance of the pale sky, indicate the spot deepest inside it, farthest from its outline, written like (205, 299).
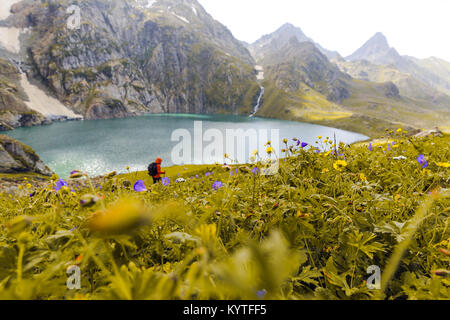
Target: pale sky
(419, 28)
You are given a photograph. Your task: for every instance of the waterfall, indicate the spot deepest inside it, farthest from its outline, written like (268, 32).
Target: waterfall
(258, 104)
(17, 64)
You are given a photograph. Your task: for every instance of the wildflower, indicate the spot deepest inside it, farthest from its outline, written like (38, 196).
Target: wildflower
(370, 147)
(399, 130)
(255, 152)
(325, 170)
(362, 177)
(226, 156)
(88, 200)
(400, 158)
(217, 185)
(304, 144)
(443, 164)
(165, 181)
(255, 170)
(340, 165)
(421, 160)
(319, 137)
(180, 180)
(207, 174)
(28, 186)
(75, 174)
(269, 150)
(261, 294)
(442, 273)
(60, 184)
(285, 141)
(120, 218)
(139, 186)
(268, 143)
(127, 168)
(111, 175)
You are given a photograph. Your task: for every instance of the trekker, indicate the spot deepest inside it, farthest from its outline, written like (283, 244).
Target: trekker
(154, 170)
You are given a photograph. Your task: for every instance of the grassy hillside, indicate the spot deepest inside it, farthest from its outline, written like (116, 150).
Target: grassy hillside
(308, 232)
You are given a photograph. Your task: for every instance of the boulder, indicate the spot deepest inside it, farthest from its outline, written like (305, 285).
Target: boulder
(427, 133)
(15, 157)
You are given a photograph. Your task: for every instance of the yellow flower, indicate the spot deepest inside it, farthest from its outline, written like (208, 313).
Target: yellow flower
(269, 150)
(327, 153)
(226, 156)
(340, 165)
(128, 168)
(325, 141)
(120, 218)
(285, 140)
(443, 164)
(25, 178)
(399, 130)
(319, 137)
(268, 143)
(325, 170)
(362, 177)
(20, 187)
(28, 186)
(255, 152)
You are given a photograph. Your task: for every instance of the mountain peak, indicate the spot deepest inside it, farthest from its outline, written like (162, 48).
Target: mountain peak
(376, 49)
(380, 40)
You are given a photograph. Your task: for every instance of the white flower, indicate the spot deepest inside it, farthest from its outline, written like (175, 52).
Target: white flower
(400, 158)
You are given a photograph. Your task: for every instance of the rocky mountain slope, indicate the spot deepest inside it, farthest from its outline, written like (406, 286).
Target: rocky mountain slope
(130, 57)
(14, 111)
(432, 72)
(408, 85)
(302, 83)
(133, 57)
(281, 37)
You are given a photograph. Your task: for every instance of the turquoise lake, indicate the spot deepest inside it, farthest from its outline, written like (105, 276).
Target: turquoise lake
(101, 146)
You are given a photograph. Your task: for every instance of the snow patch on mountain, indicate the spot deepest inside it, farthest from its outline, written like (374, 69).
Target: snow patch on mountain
(5, 8)
(43, 103)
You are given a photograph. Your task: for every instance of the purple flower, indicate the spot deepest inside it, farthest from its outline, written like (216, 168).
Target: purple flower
(261, 293)
(421, 160)
(255, 170)
(207, 174)
(165, 181)
(139, 186)
(304, 144)
(217, 185)
(298, 143)
(59, 184)
(196, 176)
(389, 147)
(370, 147)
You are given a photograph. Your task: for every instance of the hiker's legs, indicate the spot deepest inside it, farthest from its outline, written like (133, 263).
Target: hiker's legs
(156, 180)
